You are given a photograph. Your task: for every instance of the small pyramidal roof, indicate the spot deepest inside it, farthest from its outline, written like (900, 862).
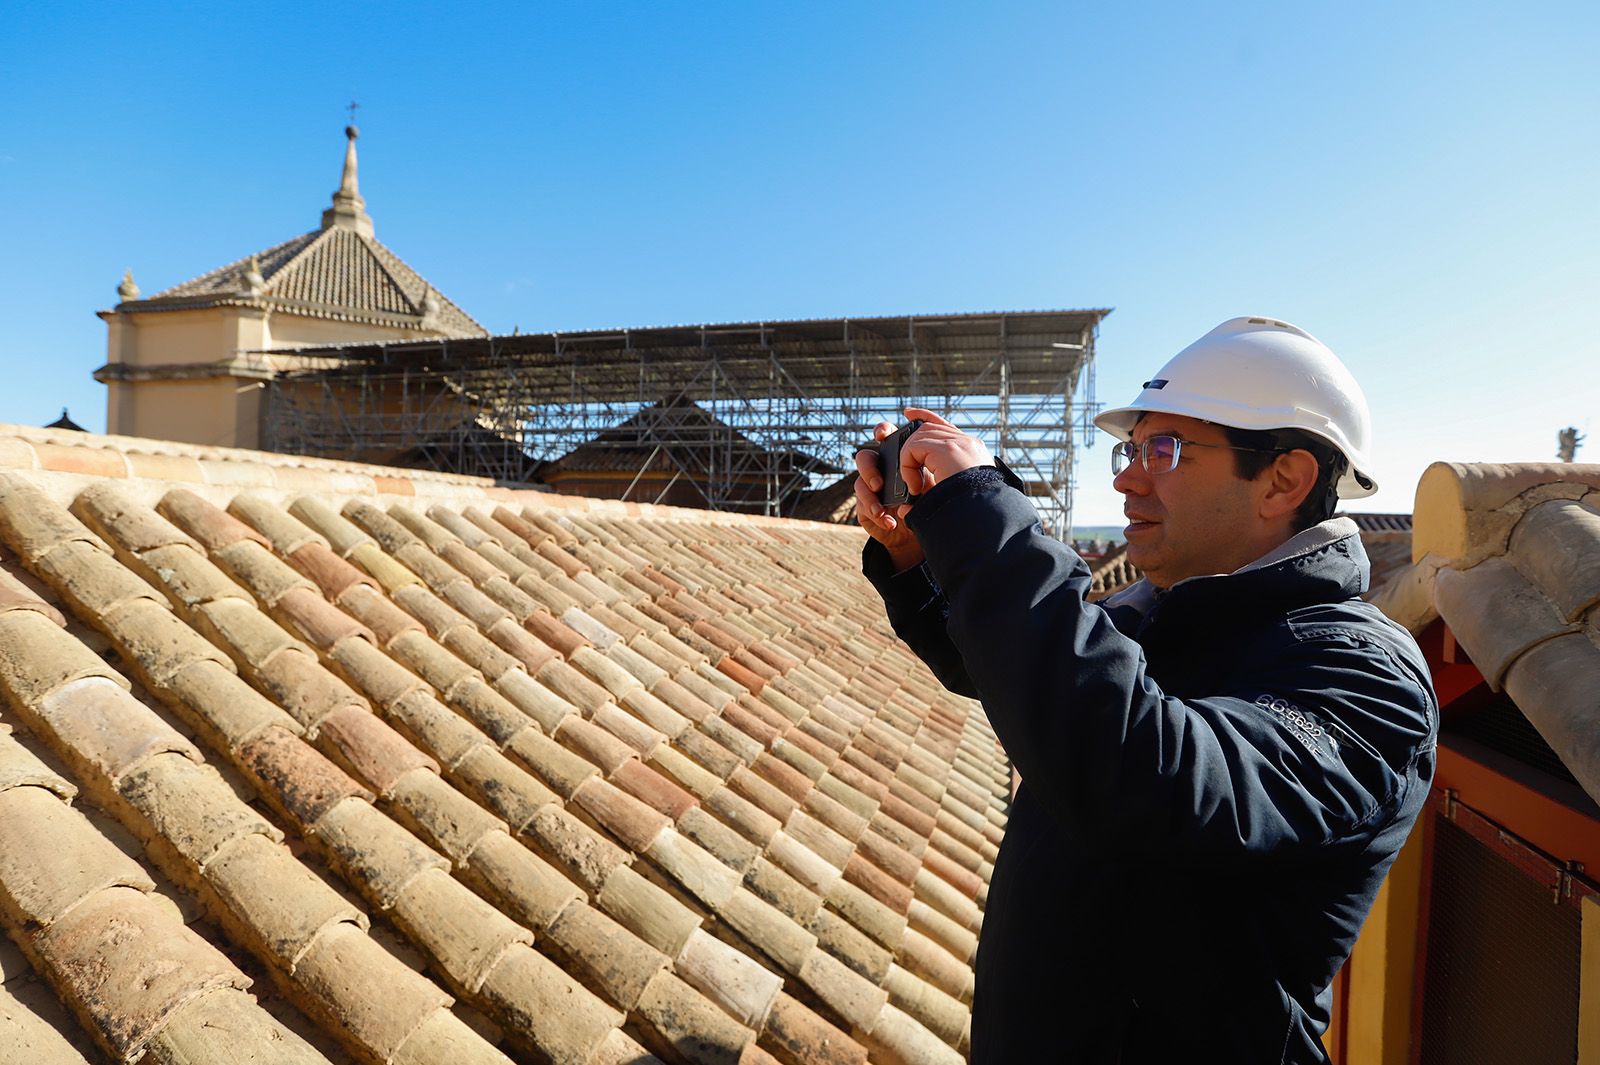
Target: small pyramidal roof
(338, 271)
(64, 422)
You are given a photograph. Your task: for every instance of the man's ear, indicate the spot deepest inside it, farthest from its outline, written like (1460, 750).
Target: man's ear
(1289, 480)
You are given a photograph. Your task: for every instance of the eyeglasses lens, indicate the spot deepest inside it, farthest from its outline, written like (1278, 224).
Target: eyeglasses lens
(1161, 454)
(1121, 456)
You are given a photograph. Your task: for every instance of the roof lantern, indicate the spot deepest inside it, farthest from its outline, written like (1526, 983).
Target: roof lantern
(338, 271)
(349, 210)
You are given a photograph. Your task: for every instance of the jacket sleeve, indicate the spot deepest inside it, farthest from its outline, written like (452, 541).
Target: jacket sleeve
(918, 611)
(1323, 740)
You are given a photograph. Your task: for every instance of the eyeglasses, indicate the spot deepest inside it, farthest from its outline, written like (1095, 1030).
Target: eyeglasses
(1160, 453)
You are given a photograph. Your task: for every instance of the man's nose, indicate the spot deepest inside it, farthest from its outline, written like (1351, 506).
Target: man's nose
(1133, 480)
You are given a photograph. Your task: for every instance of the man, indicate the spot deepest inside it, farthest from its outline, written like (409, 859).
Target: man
(1220, 763)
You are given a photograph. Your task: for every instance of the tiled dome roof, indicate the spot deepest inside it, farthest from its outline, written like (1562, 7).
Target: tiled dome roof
(339, 271)
(438, 771)
(328, 273)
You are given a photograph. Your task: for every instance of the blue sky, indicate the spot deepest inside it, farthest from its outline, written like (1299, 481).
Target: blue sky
(1415, 184)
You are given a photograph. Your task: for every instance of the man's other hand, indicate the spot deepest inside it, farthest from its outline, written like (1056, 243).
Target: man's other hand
(886, 524)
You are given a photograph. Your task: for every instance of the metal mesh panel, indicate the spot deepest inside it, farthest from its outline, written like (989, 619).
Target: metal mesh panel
(1502, 962)
(1502, 727)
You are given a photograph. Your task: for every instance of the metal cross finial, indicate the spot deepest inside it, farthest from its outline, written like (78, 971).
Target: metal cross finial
(352, 109)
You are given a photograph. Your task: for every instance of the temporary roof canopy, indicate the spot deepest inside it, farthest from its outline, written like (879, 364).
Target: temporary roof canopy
(953, 354)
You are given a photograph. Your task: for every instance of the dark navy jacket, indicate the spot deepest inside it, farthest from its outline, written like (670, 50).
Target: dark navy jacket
(1213, 787)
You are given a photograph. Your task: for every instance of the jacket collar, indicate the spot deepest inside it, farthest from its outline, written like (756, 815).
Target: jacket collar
(1307, 542)
(1325, 563)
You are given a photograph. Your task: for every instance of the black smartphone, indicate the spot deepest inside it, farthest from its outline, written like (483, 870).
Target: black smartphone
(895, 491)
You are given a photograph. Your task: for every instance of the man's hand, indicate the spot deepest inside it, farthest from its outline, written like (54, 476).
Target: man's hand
(938, 450)
(935, 451)
(885, 524)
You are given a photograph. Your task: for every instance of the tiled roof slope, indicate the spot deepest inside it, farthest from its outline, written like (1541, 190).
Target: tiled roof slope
(1387, 540)
(834, 503)
(457, 773)
(1370, 522)
(73, 460)
(1509, 557)
(1112, 572)
(333, 272)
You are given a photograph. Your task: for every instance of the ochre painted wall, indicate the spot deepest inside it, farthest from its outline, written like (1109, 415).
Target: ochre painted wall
(1382, 967)
(1589, 986)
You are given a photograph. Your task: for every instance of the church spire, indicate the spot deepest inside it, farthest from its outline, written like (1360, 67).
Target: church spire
(349, 210)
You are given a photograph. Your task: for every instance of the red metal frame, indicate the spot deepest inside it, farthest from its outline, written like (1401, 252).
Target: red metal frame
(1521, 814)
(1454, 676)
(1547, 839)
(1564, 879)
(1494, 787)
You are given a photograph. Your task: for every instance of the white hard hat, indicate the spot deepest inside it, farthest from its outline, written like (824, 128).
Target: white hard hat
(1261, 374)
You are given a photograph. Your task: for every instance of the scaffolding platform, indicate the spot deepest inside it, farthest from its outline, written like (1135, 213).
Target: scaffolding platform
(698, 397)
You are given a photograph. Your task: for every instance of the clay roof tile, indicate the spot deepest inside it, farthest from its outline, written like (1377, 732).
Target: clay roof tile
(851, 855)
(737, 672)
(560, 636)
(161, 966)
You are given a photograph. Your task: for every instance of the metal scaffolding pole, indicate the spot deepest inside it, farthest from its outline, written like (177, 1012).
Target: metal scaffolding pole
(753, 415)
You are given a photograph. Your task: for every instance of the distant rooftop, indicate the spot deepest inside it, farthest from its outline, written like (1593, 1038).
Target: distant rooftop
(1381, 523)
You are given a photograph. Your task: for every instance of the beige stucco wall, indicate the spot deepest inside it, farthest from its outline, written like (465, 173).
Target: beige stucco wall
(215, 410)
(120, 340)
(289, 330)
(224, 409)
(293, 330)
(203, 410)
(176, 337)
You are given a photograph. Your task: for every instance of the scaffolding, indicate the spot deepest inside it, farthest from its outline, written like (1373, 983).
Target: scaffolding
(749, 414)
